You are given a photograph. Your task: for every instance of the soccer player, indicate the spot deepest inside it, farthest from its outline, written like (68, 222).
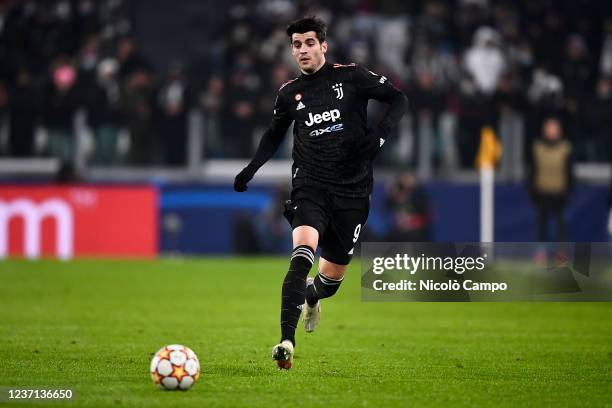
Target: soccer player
(332, 170)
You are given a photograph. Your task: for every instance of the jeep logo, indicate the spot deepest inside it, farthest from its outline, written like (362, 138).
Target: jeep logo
(326, 116)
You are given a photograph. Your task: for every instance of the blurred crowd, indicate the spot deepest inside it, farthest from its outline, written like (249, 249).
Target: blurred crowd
(62, 57)
(463, 64)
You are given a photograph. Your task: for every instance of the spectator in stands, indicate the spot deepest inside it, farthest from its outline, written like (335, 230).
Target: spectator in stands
(610, 190)
(605, 59)
(89, 58)
(4, 104)
(432, 26)
(551, 178)
(239, 122)
(468, 16)
(104, 112)
(551, 50)
(472, 110)
(484, 61)
(545, 96)
(440, 63)
(138, 97)
(547, 29)
(174, 101)
(130, 59)
(240, 108)
(61, 103)
(577, 73)
(411, 214)
(598, 115)
(211, 102)
(577, 68)
(24, 111)
(484, 64)
(426, 104)
(509, 95)
(601, 120)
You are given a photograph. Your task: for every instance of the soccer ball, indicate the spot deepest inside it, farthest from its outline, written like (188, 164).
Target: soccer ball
(175, 367)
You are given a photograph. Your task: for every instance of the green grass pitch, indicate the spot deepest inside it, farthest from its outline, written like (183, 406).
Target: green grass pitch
(93, 325)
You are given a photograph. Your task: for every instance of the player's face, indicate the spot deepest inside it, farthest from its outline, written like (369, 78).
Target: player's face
(308, 52)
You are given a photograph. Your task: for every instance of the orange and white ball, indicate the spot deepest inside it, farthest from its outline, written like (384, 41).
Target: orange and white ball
(175, 367)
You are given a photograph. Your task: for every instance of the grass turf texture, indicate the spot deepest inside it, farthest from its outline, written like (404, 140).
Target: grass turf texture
(93, 326)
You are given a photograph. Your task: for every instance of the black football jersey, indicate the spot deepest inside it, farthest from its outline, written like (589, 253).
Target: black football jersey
(329, 110)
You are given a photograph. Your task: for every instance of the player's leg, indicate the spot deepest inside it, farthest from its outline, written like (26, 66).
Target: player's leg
(308, 214)
(327, 281)
(337, 247)
(325, 284)
(305, 240)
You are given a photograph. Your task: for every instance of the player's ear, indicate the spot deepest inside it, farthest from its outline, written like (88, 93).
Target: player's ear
(324, 46)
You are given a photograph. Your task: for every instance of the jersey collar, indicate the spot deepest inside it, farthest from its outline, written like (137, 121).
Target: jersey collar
(318, 74)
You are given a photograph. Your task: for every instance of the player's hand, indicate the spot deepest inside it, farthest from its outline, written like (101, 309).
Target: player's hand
(372, 144)
(241, 180)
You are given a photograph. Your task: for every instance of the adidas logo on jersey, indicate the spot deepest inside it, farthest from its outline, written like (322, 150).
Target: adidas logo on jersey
(300, 106)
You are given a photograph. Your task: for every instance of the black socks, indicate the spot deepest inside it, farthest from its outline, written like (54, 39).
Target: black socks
(323, 288)
(294, 288)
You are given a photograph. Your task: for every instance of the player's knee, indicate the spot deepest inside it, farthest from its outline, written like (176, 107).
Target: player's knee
(331, 270)
(334, 274)
(305, 235)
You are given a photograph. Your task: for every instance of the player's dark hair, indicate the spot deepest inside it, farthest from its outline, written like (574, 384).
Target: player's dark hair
(307, 24)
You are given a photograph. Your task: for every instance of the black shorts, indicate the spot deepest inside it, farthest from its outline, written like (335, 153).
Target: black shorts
(339, 220)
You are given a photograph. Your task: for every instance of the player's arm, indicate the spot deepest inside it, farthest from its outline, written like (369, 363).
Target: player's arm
(373, 86)
(270, 141)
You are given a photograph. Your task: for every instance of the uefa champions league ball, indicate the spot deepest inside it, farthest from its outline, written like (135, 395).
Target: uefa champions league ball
(175, 367)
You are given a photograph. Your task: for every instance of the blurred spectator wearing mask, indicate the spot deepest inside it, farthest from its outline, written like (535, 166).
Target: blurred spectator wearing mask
(89, 61)
(104, 112)
(62, 101)
(24, 110)
(484, 61)
(551, 178)
(484, 64)
(411, 213)
(173, 103)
